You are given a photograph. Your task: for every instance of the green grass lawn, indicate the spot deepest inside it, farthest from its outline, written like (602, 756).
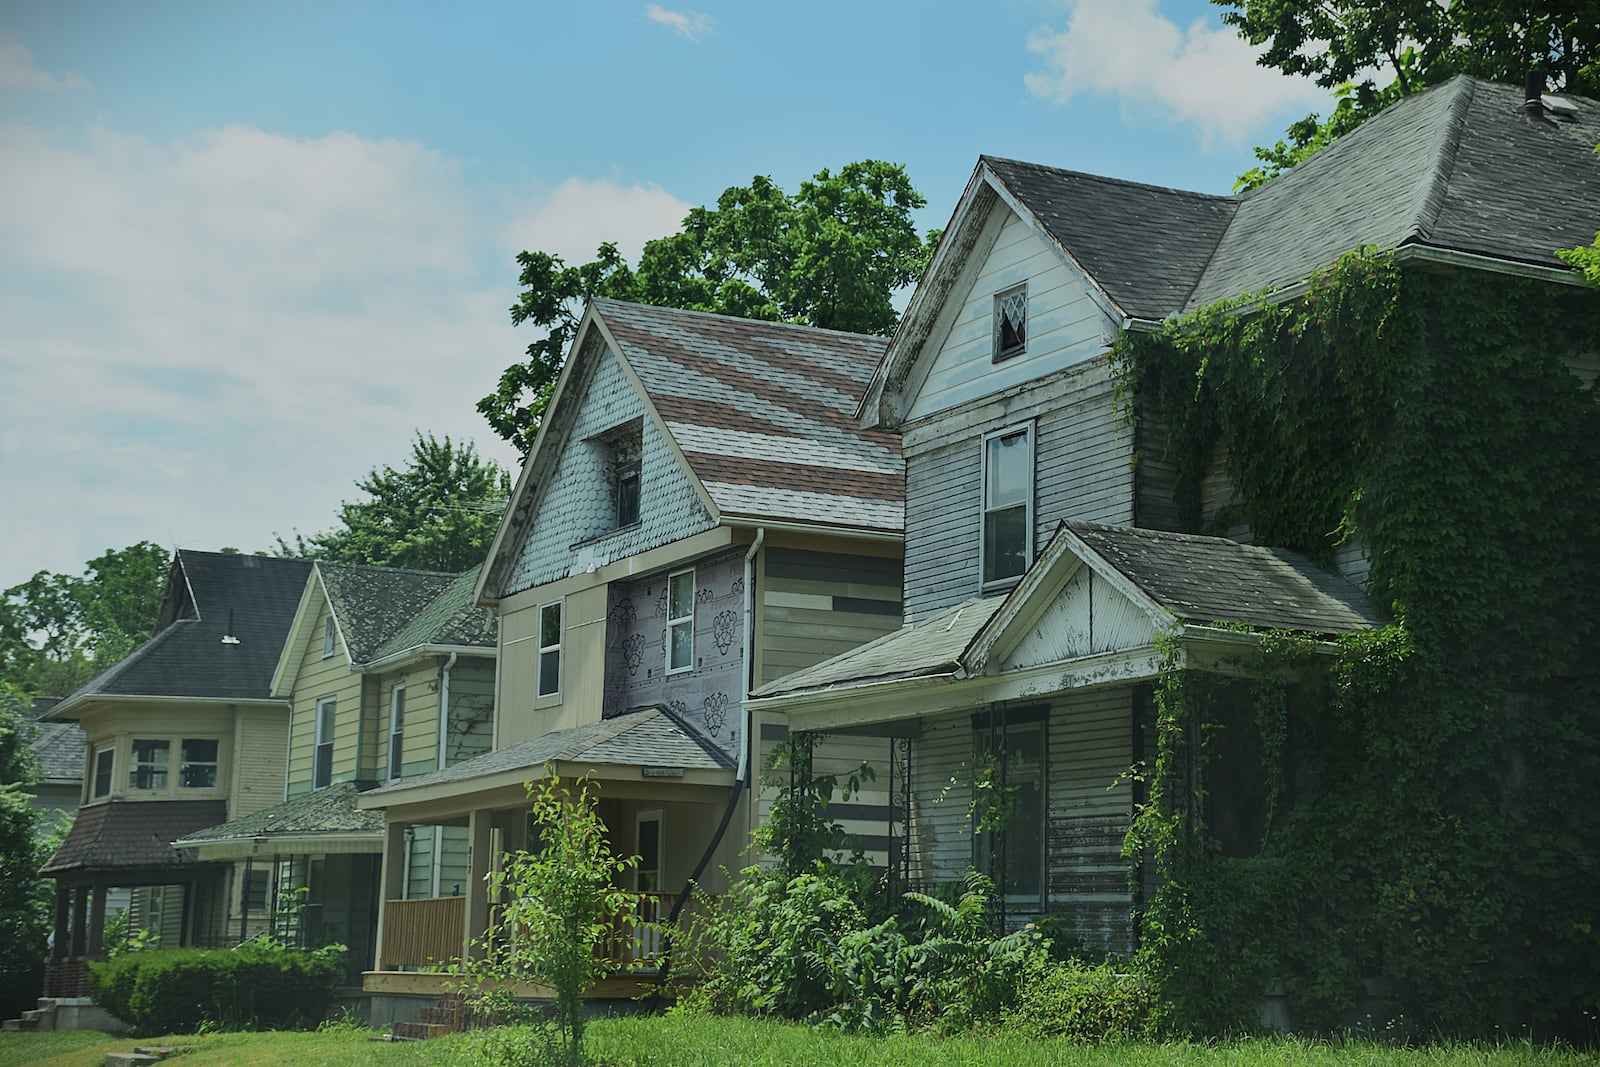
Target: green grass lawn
(693, 1042)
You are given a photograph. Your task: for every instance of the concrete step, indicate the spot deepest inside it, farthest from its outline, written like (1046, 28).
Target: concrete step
(14, 1025)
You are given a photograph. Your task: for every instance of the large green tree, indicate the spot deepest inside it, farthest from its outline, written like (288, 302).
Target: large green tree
(439, 512)
(832, 254)
(58, 630)
(24, 899)
(1373, 52)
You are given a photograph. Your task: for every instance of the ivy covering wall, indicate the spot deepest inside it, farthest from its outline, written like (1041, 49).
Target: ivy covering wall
(1429, 847)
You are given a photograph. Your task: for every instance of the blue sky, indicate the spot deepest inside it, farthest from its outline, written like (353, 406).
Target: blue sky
(246, 250)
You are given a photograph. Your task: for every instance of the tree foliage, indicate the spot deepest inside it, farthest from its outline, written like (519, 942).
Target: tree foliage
(24, 847)
(439, 512)
(830, 255)
(58, 630)
(1374, 52)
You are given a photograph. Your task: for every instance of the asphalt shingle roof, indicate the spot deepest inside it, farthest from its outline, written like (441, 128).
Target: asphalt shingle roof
(765, 413)
(372, 604)
(327, 811)
(1459, 167)
(452, 618)
(647, 738)
(59, 748)
(210, 595)
(1212, 579)
(131, 834)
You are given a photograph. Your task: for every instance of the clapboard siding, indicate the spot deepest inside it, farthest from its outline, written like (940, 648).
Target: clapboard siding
(319, 678)
(815, 605)
(258, 780)
(1065, 325)
(1083, 469)
(865, 815)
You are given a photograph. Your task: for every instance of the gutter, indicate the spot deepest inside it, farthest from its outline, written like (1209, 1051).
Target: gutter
(864, 533)
(422, 651)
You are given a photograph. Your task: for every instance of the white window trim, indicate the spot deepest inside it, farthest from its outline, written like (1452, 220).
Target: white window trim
(94, 768)
(675, 621)
(560, 605)
(329, 637)
(318, 740)
(995, 354)
(397, 724)
(1027, 428)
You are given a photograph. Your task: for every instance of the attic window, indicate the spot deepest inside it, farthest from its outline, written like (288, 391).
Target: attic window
(1011, 322)
(327, 637)
(627, 492)
(619, 449)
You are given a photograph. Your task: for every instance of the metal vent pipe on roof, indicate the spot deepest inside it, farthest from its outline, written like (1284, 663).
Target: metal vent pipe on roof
(1533, 93)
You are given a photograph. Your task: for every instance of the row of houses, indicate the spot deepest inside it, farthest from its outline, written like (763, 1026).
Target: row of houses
(731, 532)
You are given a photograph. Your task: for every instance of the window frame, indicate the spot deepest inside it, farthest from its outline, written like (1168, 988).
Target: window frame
(111, 771)
(322, 770)
(1000, 353)
(184, 763)
(397, 730)
(1027, 431)
(628, 482)
(559, 606)
(150, 767)
(330, 642)
(677, 622)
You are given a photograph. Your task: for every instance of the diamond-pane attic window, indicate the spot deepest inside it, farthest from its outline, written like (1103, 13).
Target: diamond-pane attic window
(1010, 323)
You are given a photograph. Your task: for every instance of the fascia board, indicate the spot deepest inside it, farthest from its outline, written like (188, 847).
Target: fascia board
(287, 672)
(657, 421)
(742, 520)
(928, 299)
(242, 847)
(421, 652)
(524, 495)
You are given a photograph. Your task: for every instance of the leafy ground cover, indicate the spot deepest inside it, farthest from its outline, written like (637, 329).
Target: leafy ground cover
(715, 1042)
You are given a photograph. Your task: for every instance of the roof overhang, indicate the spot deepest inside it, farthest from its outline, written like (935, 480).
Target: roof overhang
(286, 844)
(422, 652)
(508, 788)
(93, 700)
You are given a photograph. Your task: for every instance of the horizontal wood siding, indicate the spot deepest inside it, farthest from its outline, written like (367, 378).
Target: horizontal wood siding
(815, 605)
(1064, 324)
(319, 678)
(1083, 469)
(258, 753)
(865, 815)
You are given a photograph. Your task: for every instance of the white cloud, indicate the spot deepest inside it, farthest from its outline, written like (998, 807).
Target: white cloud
(572, 219)
(690, 24)
(1203, 74)
(203, 342)
(17, 70)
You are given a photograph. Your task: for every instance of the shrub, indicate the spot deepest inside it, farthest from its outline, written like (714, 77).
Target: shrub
(260, 985)
(1081, 1002)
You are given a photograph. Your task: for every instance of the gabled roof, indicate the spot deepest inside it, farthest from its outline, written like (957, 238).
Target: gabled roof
(760, 414)
(1457, 171)
(385, 613)
(326, 812)
(1183, 579)
(210, 596)
(651, 737)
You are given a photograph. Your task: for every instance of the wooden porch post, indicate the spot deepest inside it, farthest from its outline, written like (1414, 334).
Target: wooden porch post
(390, 875)
(479, 857)
(80, 919)
(58, 950)
(97, 920)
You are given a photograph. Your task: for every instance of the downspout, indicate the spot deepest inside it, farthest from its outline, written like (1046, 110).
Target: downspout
(739, 781)
(444, 733)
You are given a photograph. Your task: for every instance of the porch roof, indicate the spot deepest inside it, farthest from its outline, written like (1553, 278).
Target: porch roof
(306, 823)
(1184, 578)
(648, 737)
(123, 835)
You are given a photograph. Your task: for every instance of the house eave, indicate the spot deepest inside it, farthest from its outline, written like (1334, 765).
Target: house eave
(417, 652)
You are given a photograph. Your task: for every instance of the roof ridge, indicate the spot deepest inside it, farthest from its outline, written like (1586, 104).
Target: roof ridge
(1108, 179)
(782, 324)
(1438, 184)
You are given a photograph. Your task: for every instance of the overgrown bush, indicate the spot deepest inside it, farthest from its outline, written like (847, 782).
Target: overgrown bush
(1081, 1002)
(260, 985)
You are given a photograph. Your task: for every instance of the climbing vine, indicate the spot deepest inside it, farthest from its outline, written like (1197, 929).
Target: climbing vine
(1430, 841)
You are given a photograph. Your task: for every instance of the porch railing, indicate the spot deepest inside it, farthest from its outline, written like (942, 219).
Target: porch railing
(422, 933)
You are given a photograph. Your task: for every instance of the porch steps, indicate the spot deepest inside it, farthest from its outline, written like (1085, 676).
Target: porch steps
(41, 1018)
(449, 1016)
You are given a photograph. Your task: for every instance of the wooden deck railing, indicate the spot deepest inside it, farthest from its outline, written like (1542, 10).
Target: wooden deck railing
(422, 933)
(428, 933)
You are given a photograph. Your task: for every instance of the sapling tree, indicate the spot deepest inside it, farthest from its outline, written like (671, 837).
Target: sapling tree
(559, 905)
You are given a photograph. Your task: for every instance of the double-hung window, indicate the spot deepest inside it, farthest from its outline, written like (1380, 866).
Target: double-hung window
(1007, 504)
(197, 768)
(397, 724)
(322, 761)
(549, 649)
(149, 767)
(680, 621)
